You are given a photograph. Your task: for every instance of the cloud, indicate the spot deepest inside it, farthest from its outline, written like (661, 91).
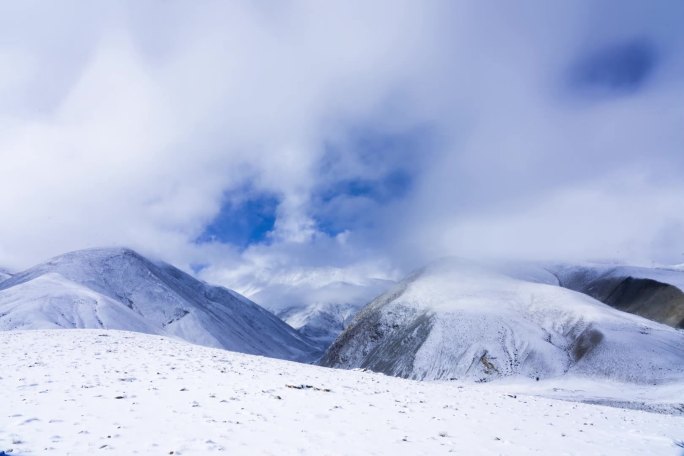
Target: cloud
(354, 137)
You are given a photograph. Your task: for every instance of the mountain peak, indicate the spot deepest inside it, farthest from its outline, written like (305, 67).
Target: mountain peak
(117, 288)
(452, 320)
(96, 253)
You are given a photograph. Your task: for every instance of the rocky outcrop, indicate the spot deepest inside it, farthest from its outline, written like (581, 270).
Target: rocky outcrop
(652, 293)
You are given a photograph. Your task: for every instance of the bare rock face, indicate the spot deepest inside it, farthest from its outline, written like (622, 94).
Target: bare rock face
(653, 293)
(458, 321)
(589, 339)
(384, 336)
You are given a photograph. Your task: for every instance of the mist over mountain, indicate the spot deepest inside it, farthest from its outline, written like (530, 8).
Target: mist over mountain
(320, 311)
(459, 320)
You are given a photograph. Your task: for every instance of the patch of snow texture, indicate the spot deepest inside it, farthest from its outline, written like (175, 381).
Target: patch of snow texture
(85, 392)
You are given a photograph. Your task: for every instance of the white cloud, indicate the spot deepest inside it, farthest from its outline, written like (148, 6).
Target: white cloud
(129, 125)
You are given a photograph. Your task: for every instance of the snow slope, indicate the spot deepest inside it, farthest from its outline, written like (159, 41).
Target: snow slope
(120, 289)
(653, 293)
(4, 274)
(320, 311)
(458, 320)
(86, 392)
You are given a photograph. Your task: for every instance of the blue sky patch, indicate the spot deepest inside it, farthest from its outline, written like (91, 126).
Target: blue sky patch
(395, 184)
(242, 221)
(366, 171)
(619, 69)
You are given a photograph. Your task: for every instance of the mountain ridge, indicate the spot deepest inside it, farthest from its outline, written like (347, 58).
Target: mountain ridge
(455, 320)
(169, 301)
(653, 293)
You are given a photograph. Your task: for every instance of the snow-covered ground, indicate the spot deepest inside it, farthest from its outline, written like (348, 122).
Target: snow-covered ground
(86, 392)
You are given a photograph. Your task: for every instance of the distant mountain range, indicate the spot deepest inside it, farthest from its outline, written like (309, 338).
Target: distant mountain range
(120, 289)
(320, 311)
(4, 274)
(458, 320)
(453, 319)
(653, 293)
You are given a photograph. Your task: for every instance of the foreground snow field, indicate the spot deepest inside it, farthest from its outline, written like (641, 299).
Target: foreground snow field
(85, 392)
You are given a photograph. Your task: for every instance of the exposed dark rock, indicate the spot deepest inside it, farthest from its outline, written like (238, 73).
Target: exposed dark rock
(379, 344)
(648, 298)
(586, 342)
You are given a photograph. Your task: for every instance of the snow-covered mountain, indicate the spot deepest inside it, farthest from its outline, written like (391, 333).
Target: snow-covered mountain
(457, 320)
(4, 274)
(320, 311)
(89, 392)
(653, 293)
(120, 289)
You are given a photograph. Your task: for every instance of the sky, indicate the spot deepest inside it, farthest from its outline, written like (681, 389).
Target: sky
(260, 142)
